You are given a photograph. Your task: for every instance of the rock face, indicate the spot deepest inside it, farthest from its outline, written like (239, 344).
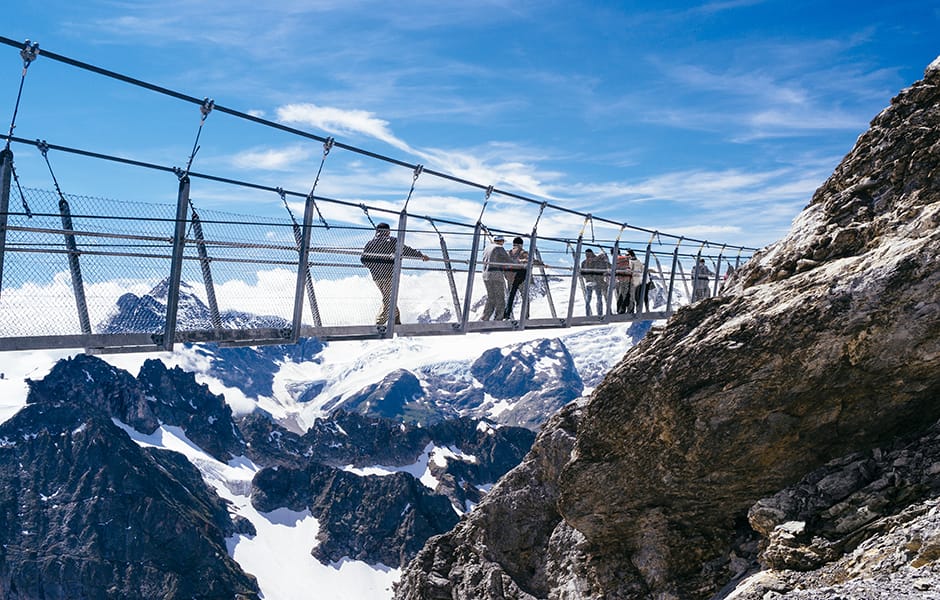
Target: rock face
(85, 511)
(826, 343)
(517, 386)
(866, 514)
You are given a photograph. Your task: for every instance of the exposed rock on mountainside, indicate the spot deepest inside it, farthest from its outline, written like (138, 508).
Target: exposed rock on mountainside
(84, 508)
(827, 343)
(84, 511)
(866, 517)
(379, 519)
(518, 386)
(376, 519)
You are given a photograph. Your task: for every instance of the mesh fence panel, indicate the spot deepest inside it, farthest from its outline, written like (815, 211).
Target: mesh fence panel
(111, 260)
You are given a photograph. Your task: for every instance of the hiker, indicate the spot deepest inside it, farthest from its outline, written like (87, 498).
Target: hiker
(378, 255)
(643, 293)
(516, 274)
(495, 263)
(700, 278)
(624, 289)
(594, 272)
(636, 281)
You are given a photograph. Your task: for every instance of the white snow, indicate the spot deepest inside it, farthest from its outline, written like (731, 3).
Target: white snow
(279, 554)
(420, 469)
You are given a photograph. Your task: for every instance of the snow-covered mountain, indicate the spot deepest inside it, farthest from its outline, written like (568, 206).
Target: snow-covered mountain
(337, 459)
(148, 313)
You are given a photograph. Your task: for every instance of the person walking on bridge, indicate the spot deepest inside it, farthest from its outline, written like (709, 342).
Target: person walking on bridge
(624, 289)
(594, 270)
(700, 277)
(378, 255)
(638, 272)
(495, 263)
(516, 274)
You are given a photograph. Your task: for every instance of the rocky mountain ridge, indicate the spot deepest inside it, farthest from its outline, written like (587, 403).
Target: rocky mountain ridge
(826, 345)
(86, 511)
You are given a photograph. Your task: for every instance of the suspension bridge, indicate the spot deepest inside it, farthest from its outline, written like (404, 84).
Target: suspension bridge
(108, 275)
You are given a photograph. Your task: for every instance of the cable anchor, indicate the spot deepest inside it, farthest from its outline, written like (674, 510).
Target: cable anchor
(486, 199)
(206, 108)
(365, 209)
(417, 173)
(29, 53)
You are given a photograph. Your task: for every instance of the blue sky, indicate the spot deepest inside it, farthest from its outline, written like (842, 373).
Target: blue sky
(715, 120)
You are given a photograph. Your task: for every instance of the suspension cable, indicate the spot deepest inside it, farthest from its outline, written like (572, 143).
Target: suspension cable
(587, 219)
(327, 146)
(28, 53)
(365, 209)
(539, 217)
(417, 173)
(204, 109)
(16, 178)
(265, 188)
(301, 133)
(44, 150)
(486, 199)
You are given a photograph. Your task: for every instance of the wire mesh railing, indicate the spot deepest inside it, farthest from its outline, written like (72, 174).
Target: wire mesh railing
(239, 276)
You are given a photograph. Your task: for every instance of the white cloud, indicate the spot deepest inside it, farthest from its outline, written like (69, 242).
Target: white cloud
(340, 122)
(274, 159)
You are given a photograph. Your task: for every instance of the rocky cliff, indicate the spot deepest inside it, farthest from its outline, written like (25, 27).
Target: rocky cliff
(826, 347)
(86, 511)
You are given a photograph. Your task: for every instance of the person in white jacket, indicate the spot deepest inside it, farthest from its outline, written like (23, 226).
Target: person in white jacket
(495, 263)
(700, 278)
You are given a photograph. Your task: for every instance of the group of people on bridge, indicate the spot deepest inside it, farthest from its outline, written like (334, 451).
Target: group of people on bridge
(629, 291)
(504, 275)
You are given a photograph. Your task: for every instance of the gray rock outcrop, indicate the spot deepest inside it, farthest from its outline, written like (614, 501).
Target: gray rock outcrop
(827, 343)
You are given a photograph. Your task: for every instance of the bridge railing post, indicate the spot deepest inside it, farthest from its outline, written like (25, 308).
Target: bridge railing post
(672, 278)
(6, 171)
(75, 267)
(308, 282)
(612, 279)
(527, 285)
(646, 278)
(471, 274)
(205, 264)
(302, 238)
(718, 272)
(448, 269)
(537, 256)
(575, 278)
(176, 264)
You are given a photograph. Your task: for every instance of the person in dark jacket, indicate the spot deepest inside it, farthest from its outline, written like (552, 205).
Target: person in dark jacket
(624, 288)
(378, 255)
(516, 276)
